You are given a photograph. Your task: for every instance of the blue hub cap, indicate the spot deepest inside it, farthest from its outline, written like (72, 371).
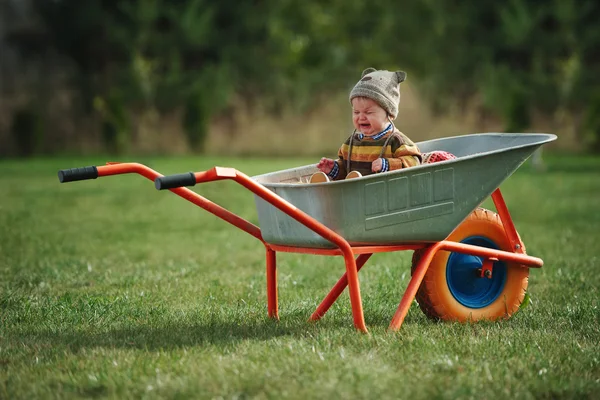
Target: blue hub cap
(466, 285)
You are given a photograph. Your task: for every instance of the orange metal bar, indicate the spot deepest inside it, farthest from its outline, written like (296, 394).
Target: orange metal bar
(355, 249)
(522, 260)
(272, 301)
(387, 248)
(337, 289)
(507, 222)
(413, 286)
(487, 268)
(415, 282)
(215, 174)
(305, 219)
(127, 168)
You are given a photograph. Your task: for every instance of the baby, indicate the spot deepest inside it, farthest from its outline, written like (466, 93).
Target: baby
(375, 145)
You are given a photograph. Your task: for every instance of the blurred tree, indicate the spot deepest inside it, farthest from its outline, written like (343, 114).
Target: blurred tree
(518, 56)
(515, 58)
(27, 131)
(193, 55)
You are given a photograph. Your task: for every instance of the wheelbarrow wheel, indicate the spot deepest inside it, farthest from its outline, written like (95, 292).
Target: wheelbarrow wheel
(453, 290)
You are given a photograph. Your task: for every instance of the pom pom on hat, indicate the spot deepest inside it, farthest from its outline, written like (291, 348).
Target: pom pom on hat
(381, 86)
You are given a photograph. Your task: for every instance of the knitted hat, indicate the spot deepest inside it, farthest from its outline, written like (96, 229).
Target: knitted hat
(381, 86)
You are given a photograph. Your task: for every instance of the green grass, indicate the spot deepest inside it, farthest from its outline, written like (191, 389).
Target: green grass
(109, 288)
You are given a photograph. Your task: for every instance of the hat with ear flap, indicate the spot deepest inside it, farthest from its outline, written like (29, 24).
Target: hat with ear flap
(381, 86)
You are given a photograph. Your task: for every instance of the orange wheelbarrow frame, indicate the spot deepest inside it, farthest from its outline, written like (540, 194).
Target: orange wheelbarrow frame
(353, 265)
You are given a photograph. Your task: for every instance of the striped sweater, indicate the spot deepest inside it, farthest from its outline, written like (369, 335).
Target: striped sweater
(399, 152)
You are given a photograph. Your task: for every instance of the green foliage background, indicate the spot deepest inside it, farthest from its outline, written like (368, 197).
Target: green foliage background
(203, 58)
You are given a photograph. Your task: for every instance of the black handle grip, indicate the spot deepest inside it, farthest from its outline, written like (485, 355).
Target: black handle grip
(77, 174)
(175, 181)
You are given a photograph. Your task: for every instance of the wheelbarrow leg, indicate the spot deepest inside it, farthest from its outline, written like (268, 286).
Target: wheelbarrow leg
(354, 292)
(507, 222)
(337, 290)
(272, 302)
(413, 286)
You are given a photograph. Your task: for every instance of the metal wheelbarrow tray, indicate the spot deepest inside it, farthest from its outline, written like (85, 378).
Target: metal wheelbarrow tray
(466, 261)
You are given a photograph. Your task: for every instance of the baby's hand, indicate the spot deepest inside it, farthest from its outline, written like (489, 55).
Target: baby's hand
(377, 165)
(325, 165)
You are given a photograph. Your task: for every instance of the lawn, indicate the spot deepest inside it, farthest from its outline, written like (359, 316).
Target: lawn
(109, 288)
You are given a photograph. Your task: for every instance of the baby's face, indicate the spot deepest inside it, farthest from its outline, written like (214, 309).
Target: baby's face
(367, 116)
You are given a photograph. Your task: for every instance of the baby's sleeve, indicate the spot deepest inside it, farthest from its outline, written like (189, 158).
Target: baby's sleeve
(338, 171)
(404, 154)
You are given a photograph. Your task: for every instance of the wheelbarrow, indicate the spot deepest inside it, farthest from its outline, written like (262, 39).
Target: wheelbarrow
(468, 263)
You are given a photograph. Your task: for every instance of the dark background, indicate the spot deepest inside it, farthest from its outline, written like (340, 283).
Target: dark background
(163, 77)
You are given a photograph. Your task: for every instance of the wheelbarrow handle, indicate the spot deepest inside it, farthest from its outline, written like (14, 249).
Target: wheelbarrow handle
(175, 181)
(192, 178)
(77, 174)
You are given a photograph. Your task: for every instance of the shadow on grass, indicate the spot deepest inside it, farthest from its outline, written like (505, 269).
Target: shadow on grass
(177, 334)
